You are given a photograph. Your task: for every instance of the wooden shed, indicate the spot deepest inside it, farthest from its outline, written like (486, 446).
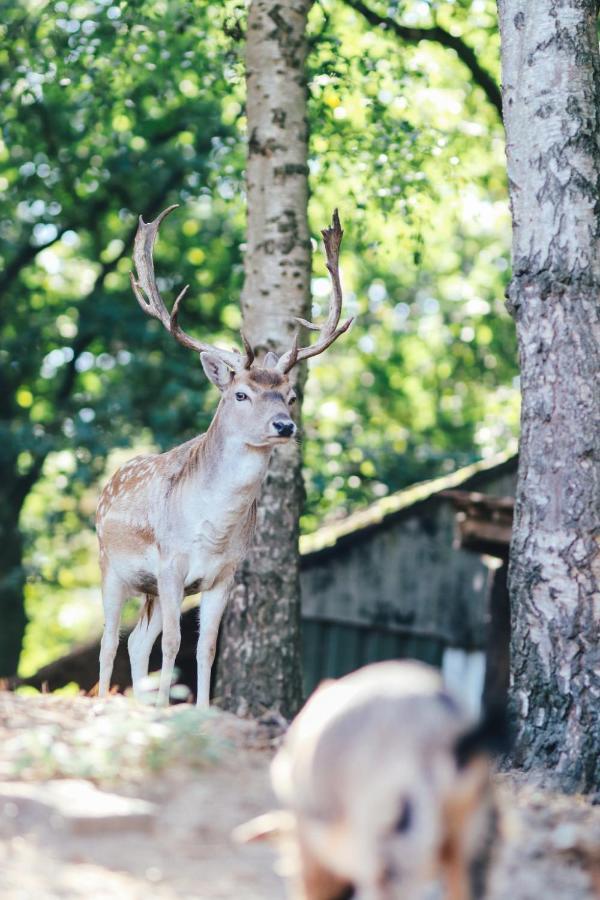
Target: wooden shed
(391, 581)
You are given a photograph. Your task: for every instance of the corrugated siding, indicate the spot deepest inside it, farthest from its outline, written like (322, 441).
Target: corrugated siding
(331, 649)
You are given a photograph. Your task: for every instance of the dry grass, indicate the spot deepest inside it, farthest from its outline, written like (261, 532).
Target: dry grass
(103, 740)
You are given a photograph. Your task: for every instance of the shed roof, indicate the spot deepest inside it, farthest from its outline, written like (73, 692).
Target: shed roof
(403, 503)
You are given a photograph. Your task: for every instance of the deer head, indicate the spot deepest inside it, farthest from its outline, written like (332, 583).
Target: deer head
(258, 398)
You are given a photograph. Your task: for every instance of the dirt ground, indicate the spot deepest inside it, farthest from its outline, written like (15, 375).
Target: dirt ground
(107, 799)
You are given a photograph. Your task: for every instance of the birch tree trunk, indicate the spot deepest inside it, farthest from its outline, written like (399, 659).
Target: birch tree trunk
(551, 102)
(259, 656)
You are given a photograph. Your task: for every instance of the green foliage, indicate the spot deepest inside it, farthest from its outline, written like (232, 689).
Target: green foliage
(109, 115)
(112, 110)
(415, 161)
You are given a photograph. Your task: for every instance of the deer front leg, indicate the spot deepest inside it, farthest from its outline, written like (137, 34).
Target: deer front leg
(170, 596)
(212, 605)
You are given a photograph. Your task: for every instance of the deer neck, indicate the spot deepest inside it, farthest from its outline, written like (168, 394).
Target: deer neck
(232, 466)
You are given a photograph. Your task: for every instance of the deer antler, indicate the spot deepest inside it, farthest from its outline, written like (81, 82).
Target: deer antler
(330, 330)
(148, 296)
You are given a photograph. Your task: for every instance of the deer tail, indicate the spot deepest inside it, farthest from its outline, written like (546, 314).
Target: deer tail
(148, 608)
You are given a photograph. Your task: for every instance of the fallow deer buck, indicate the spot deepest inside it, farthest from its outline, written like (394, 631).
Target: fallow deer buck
(180, 522)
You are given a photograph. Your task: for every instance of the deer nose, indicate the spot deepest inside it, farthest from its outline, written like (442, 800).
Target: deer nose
(284, 427)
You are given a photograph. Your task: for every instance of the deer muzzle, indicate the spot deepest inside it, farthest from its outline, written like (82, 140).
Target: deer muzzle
(283, 427)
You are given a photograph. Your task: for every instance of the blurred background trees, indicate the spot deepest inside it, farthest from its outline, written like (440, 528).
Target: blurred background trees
(115, 110)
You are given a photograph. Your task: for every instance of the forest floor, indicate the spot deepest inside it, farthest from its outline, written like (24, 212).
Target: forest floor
(108, 799)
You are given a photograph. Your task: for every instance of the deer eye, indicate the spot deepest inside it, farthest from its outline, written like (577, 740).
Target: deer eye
(240, 395)
(292, 399)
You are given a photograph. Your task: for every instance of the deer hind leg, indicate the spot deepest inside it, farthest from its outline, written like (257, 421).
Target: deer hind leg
(170, 597)
(113, 598)
(212, 604)
(141, 641)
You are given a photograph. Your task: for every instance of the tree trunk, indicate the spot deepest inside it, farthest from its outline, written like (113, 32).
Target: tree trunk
(497, 655)
(551, 98)
(12, 583)
(259, 662)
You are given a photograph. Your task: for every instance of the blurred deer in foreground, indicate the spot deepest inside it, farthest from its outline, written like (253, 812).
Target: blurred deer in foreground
(385, 788)
(180, 522)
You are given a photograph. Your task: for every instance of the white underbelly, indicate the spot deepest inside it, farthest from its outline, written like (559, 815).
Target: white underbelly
(195, 557)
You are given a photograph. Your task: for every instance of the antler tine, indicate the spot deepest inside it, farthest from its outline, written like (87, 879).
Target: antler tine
(148, 296)
(332, 238)
(330, 330)
(292, 354)
(249, 351)
(145, 289)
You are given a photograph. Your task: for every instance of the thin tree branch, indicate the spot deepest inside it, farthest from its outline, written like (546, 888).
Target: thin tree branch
(24, 483)
(436, 33)
(26, 253)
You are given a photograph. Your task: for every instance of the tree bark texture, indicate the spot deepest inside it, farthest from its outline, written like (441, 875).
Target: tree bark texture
(551, 102)
(12, 585)
(497, 655)
(259, 663)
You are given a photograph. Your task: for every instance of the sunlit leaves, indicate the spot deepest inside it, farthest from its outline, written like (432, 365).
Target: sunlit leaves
(425, 259)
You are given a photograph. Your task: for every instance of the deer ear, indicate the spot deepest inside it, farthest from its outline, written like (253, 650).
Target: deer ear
(216, 370)
(270, 360)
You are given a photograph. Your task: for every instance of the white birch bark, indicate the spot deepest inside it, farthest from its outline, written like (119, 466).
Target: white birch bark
(259, 658)
(551, 102)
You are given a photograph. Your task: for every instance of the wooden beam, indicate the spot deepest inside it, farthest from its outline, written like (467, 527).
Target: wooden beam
(483, 523)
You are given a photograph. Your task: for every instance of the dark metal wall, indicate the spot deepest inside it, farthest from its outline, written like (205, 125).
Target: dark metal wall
(331, 649)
